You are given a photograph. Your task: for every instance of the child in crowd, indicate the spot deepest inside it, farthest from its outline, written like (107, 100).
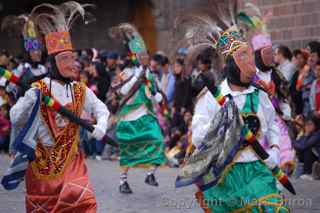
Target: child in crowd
(4, 128)
(308, 146)
(176, 149)
(4, 120)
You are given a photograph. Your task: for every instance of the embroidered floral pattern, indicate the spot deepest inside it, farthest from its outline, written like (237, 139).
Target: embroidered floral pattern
(51, 161)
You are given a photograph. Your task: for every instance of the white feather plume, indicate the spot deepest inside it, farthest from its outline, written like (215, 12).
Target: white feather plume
(57, 18)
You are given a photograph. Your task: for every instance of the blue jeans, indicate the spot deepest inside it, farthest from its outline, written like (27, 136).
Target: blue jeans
(90, 145)
(99, 146)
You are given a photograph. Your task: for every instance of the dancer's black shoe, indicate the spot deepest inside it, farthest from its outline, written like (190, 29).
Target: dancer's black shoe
(125, 188)
(151, 180)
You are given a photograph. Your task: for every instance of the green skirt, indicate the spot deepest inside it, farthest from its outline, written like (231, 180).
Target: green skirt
(246, 187)
(141, 142)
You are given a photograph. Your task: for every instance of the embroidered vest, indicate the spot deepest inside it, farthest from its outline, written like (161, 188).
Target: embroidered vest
(51, 161)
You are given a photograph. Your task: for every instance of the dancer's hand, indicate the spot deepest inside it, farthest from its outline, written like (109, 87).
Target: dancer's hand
(158, 97)
(274, 157)
(98, 133)
(317, 114)
(183, 110)
(138, 71)
(12, 155)
(190, 150)
(299, 119)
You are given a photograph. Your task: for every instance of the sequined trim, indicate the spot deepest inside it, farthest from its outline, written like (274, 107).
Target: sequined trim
(51, 161)
(230, 165)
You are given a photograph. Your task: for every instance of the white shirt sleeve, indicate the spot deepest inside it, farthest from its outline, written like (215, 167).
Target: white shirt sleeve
(21, 109)
(286, 109)
(205, 110)
(313, 95)
(11, 86)
(99, 110)
(127, 87)
(273, 131)
(128, 72)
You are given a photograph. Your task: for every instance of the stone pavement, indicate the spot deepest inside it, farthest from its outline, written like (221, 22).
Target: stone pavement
(145, 199)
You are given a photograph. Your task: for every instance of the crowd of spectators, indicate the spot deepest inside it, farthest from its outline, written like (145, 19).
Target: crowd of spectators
(175, 78)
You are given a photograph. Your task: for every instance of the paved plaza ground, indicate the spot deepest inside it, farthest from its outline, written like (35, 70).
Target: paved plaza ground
(146, 199)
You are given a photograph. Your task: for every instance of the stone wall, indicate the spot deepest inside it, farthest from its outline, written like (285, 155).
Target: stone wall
(294, 22)
(165, 12)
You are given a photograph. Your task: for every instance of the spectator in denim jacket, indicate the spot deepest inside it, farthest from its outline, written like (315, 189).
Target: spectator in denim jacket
(308, 145)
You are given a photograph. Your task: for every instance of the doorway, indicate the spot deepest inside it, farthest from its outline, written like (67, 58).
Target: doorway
(144, 20)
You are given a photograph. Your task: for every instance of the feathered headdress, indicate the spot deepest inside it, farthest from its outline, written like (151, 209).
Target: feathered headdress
(23, 25)
(205, 30)
(131, 38)
(55, 22)
(255, 26)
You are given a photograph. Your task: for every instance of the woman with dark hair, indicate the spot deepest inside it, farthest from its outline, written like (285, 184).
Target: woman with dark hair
(99, 83)
(4, 59)
(102, 81)
(205, 72)
(182, 97)
(98, 78)
(300, 60)
(282, 58)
